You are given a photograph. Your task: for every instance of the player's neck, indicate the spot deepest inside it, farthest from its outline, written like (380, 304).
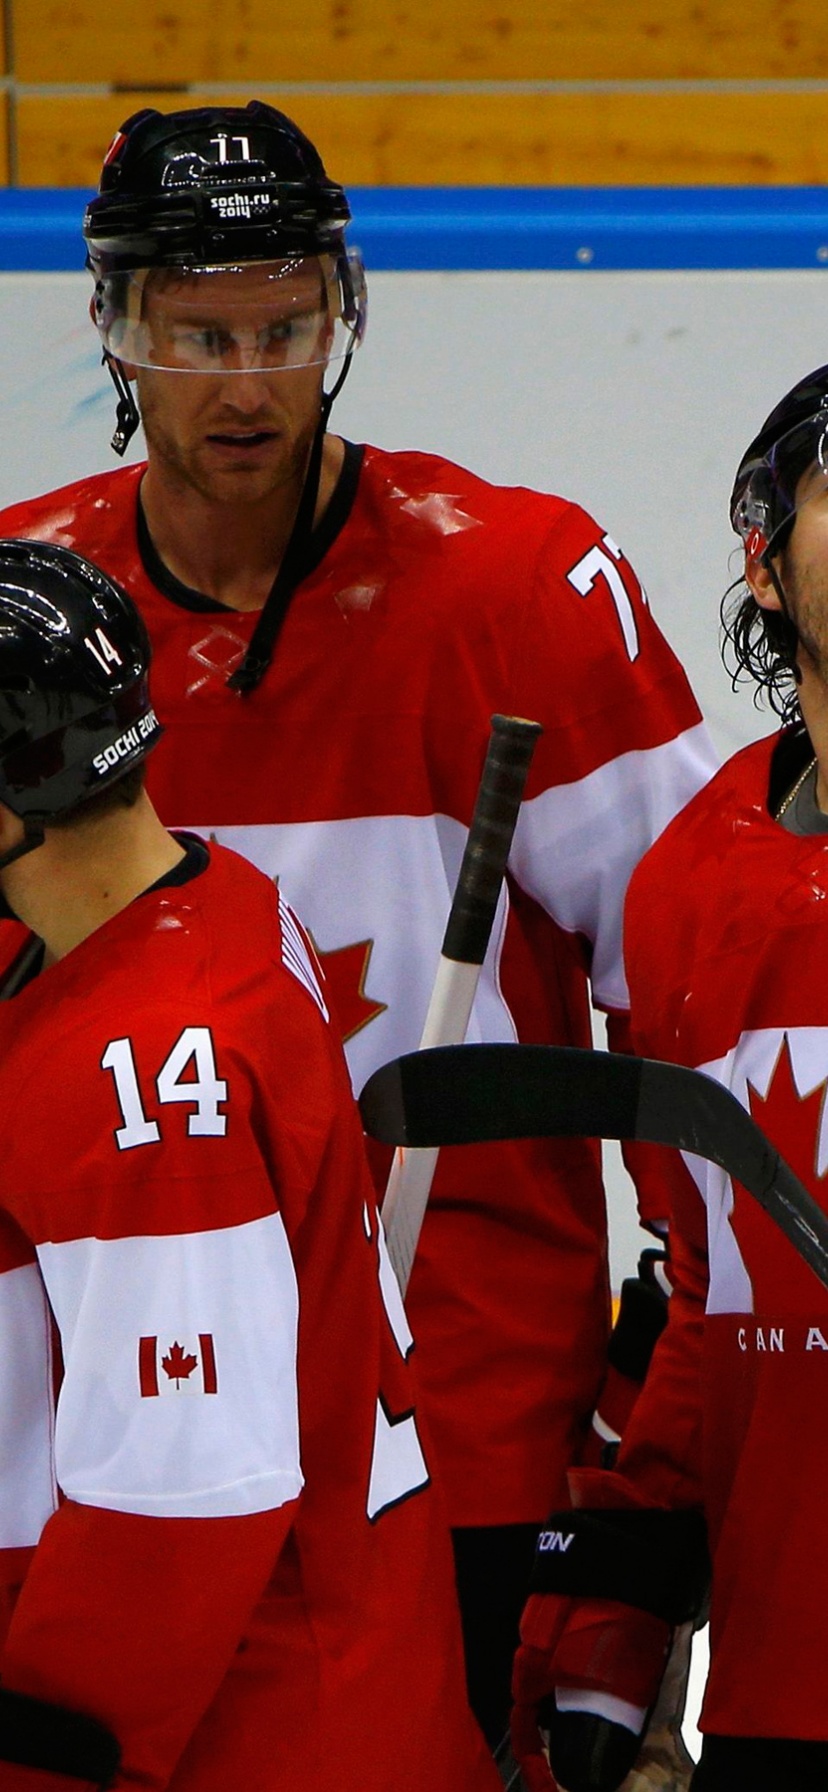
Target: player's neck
(230, 552)
(813, 700)
(80, 877)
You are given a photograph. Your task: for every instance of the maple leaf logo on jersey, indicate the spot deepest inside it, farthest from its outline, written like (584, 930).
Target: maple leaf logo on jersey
(178, 1365)
(346, 970)
(792, 1122)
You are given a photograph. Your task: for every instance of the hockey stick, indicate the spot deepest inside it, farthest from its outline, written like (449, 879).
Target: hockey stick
(507, 1766)
(469, 927)
(469, 1094)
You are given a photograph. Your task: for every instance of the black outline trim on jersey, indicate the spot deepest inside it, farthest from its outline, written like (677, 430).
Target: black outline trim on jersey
(422, 1486)
(195, 862)
(323, 537)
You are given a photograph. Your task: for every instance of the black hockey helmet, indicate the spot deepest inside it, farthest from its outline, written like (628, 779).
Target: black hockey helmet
(793, 438)
(212, 184)
(75, 712)
(206, 191)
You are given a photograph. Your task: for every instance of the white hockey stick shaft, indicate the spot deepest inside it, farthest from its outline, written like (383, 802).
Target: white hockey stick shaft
(473, 908)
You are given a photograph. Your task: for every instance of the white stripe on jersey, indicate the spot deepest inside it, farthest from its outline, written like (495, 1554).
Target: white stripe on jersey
(388, 880)
(577, 845)
(210, 1455)
(28, 1495)
(385, 881)
(398, 1466)
(296, 957)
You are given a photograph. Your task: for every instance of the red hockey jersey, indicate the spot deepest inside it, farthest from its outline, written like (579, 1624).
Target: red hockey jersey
(248, 1577)
(726, 941)
(435, 600)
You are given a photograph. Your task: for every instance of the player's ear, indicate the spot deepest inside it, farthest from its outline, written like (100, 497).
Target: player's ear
(11, 829)
(759, 580)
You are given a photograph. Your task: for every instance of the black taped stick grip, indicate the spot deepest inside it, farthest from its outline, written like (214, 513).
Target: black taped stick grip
(505, 770)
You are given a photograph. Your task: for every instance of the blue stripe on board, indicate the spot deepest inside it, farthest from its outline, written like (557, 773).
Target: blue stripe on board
(509, 227)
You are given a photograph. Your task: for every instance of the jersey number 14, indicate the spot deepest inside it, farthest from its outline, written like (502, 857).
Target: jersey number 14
(204, 1091)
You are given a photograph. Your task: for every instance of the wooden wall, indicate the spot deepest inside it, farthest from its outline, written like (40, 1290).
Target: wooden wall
(418, 92)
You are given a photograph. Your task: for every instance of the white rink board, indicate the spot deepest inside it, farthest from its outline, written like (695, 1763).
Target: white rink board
(634, 393)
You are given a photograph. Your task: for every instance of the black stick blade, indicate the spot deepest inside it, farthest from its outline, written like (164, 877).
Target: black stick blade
(473, 1094)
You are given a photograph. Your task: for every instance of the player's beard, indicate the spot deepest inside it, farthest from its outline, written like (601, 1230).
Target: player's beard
(809, 614)
(188, 466)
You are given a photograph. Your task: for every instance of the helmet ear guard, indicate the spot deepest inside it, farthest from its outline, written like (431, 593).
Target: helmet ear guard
(756, 544)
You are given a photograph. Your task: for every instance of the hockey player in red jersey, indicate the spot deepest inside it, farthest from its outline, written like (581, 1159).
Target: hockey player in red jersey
(726, 939)
(333, 627)
(231, 1566)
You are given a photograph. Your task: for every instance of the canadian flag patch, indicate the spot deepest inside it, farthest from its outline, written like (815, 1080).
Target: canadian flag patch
(178, 1369)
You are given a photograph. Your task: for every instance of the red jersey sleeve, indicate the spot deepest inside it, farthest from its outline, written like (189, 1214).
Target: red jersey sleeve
(623, 747)
(661, 1450)
(162, 1248)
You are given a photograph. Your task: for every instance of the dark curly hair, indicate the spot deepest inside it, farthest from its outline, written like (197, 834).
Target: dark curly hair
(759, 647)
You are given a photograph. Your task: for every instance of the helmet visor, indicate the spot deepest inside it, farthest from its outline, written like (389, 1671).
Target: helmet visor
(267, 316)
(792, 472)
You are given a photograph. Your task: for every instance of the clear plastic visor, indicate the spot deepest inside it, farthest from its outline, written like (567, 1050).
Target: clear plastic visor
(793, 473)
(267, 315)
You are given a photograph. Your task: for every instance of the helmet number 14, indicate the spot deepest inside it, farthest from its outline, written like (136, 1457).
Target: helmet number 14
(106, 655)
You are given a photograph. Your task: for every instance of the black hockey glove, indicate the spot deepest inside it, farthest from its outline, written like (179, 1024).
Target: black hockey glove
(609, 1586)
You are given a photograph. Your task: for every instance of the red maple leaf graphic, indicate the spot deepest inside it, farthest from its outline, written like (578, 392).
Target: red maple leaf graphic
(346, 969)
(792, 1123)
(178, 1364)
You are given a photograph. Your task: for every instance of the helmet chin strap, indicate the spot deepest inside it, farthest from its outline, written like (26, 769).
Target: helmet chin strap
(263, 639)
(127, 415)
(32, 838)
